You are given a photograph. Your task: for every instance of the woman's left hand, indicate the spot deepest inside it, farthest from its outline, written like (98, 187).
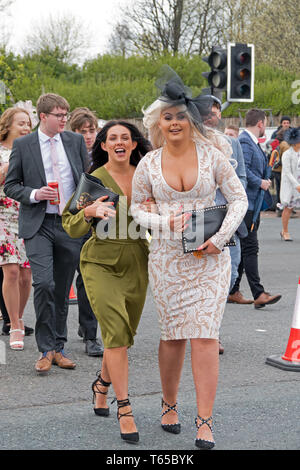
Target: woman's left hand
(101, 209)
(208, 248)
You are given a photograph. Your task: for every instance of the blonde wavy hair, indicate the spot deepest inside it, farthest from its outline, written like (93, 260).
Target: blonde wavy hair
(6, 121)
(200, 132)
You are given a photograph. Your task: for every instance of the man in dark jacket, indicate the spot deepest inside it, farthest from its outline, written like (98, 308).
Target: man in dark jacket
(256, 163)
(285, 124)
(48, 155)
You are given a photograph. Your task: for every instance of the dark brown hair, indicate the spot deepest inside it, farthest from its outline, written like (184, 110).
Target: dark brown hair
(100, 156)
(80, 116)
(253, 116)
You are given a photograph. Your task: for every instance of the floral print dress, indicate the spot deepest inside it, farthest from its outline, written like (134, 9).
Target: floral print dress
(12, 249)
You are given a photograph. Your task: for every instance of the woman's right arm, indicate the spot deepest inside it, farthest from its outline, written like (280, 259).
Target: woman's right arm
(3, 171)
(288, 170)
(141, 191)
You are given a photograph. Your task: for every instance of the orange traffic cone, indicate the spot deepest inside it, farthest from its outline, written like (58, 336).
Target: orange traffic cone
(72, 296)
(291, 358)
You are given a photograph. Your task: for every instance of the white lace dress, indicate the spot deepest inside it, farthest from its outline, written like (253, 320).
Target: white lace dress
(190, 293)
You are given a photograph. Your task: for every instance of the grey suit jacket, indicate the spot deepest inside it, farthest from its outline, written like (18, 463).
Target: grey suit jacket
(26, 172)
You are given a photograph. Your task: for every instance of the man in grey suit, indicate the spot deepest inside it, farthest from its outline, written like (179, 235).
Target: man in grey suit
(256, 164)
(48, 155)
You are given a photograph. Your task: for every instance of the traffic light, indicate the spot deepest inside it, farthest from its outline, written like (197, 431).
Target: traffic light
(240, 63)
(217, 77)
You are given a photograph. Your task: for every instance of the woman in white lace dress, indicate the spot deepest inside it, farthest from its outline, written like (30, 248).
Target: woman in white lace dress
(190, 292)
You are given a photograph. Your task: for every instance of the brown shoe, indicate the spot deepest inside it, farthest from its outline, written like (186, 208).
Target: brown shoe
(61, 360)
(265, 299)
(238, 298)
(45, 362)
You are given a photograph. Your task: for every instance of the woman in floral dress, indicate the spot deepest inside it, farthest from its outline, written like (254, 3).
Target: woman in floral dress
(14, 123)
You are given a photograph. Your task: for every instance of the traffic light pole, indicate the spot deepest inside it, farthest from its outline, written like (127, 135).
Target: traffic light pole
(225, 105)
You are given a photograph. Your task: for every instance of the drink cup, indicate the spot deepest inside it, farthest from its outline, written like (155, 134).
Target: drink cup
(54, 185)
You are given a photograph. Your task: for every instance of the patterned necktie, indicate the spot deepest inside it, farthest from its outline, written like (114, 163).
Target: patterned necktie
(55, 166)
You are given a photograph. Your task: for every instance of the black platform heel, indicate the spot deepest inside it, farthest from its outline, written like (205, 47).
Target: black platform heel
(95, 384)
(131, 437)
(202, 443)
(173, 428)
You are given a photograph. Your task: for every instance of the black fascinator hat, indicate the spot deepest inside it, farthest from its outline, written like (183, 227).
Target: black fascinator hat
(292, 136)
(174, 92)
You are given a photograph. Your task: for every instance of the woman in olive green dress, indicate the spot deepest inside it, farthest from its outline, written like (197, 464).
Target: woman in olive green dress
(114, 263)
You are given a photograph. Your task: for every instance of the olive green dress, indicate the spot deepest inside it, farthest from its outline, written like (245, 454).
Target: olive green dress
(114, 267)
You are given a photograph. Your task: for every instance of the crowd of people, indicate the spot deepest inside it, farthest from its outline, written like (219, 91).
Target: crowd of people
(182, 164)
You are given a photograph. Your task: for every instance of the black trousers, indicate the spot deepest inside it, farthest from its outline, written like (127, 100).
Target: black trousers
(249, 259)
(87, 319)
(53, 257)
(276, 175)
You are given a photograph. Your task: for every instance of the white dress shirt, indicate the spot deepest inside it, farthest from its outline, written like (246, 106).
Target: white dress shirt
(65, 170)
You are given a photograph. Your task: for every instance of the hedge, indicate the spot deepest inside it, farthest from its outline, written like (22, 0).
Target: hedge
(115, 86)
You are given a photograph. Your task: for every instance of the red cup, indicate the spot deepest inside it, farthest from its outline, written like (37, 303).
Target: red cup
(54, 185)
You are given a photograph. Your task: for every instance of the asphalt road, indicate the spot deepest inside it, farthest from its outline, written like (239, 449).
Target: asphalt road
(256, 408)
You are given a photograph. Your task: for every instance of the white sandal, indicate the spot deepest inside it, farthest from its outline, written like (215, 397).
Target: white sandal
(16, 345)
(21, 321)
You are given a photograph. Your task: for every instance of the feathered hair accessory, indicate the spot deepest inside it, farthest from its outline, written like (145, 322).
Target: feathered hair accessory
(174, 91)
(28, 106)
(292, 136)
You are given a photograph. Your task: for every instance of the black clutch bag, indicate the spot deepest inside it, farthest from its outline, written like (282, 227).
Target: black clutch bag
(203, 224)
(88, 190)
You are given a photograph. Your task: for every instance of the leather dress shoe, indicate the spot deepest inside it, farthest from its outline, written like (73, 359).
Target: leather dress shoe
(45, 362)
(94, 348)
(266, 299)
(61, 360)
(238, 298)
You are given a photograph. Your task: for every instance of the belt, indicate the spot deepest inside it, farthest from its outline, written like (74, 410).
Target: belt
(52, 216)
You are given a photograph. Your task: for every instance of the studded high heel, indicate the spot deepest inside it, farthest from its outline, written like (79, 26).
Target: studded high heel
(173, 428)
(285, 236)
(96, 389)
(131, 437)
(203, 443)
